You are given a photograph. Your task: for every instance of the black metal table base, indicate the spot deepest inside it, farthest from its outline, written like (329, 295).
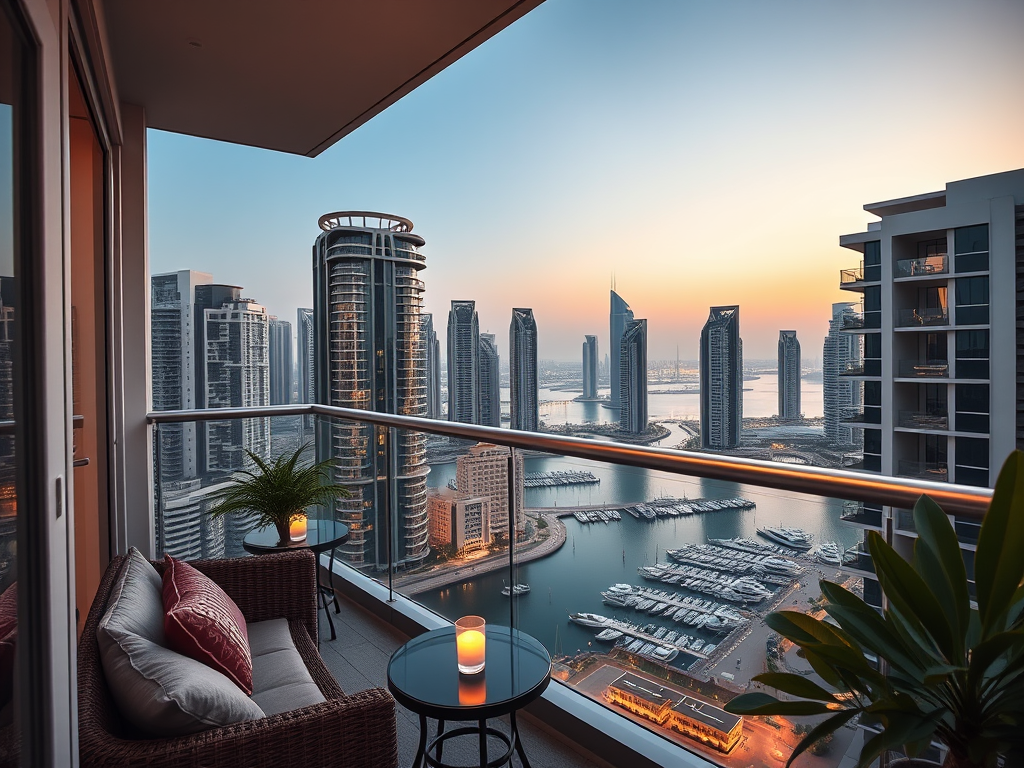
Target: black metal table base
(512, 742)
(325, 594)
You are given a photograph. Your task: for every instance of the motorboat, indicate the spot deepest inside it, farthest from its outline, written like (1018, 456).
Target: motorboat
(829, 553)
(589, 619)
(515, 590)
(608, 635)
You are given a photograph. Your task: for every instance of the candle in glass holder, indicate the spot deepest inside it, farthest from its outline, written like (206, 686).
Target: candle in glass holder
(297, 528)
(469, 644)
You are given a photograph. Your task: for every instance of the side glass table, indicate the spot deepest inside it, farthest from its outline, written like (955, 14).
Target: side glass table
(321, 535)
(423, 676)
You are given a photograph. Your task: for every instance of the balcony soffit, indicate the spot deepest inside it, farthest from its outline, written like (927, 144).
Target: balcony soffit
(294, 77)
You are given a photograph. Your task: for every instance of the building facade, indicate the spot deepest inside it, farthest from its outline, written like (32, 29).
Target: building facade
(463, 363)
(433, 356)
(633, 377)
(940, 343)
(483, 473)
(367, 299)
(721, 379)
(457, 524)
(281, 362)
(590, 367)
(620, 315)
(522, 342)
(841, 394)
(489, 376)
(306, 334)
(789, 375)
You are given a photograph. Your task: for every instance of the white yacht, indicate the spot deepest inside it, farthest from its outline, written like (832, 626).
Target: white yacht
(829, 553)
(608, 635)
(515, 589)
(589, 619)
(794, 538)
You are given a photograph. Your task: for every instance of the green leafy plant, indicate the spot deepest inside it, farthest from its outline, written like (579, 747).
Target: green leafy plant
(953, 673)
(274, 492)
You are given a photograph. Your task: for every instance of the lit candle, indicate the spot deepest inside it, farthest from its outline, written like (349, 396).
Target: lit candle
(297, 528)
(470, 641)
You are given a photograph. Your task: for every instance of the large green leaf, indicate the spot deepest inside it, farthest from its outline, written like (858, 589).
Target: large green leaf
(863, 623)
(910, 594)
(940, 563)
(764, 704)
(822, 729)
(803, 629)
(900, 728)
(998, 562)
(795, 685)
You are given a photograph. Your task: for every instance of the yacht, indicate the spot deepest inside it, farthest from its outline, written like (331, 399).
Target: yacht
(614, 598)
(794, 538)
(608, 635)
(621, 588)
(589, 619)
(829, 553)
(515, 589)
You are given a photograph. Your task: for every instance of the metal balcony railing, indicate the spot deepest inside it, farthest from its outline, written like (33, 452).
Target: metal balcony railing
(924, 420)
(926, 266)
(871, 414)
(922, 317)
(926, 369)
(849, 276)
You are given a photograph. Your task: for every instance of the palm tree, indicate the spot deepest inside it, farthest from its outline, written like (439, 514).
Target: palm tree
(276, 491)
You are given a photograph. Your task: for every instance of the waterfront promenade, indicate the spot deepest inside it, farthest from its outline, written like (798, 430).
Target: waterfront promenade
(451, 573)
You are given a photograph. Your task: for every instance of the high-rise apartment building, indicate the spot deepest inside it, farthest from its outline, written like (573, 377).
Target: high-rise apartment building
(789, 375)
(483, 473)
(522, 341)
(175, 358)
(619, 316)
(463, 363)
(840, 361)
(463, 525)
(941, 371)
(633, 377)
(489, 376)
(433, 352)
(306, 334)
(590, 365)
(721, 379)
(281, 362)
(367, 299)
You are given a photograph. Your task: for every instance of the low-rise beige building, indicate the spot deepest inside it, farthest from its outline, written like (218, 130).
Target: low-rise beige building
(457, 522)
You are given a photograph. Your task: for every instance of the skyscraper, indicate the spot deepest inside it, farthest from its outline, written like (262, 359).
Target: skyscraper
(281, 362)
(174, 356)
(590, 367)
(433, 349)
(463, 363)
(368, 293)
(840, 392)
(522, 340)
(789, 375)
(620, 316)
(483, 474)
(490, 381)
(721, 379)
(633, 377)
(307, 354)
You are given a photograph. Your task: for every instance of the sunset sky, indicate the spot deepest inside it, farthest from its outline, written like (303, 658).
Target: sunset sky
(705, 153)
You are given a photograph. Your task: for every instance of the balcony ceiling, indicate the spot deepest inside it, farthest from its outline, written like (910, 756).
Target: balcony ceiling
(290, 76)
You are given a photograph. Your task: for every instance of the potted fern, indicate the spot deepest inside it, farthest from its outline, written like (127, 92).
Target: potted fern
(954, 673)
(275, 492)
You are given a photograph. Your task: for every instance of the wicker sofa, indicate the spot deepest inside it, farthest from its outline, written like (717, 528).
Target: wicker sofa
(347, 731)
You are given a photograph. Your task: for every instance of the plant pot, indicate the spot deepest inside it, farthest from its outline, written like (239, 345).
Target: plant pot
(913, 762)
(283, 534)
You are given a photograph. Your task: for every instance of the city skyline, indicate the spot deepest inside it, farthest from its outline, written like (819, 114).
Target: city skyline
(632, 145)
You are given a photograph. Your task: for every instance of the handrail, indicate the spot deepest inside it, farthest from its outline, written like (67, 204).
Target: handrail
(966, 501)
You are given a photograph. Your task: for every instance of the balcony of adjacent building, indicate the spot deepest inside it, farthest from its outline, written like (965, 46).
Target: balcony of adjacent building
(862, 462)
(923, 369)
(859, 322)
(857, 560)
(921, 317)
(929, 420)
(934, 471)
(861, 515)
(931, 267)
(862, 369)
(860, 415)
(857, 278)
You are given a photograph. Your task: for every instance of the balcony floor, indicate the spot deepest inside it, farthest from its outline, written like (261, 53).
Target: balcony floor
(358, 659)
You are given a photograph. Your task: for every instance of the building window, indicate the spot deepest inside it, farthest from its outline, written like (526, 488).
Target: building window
(873, 306)
(972, 355)
(873, 261)
(972, 301)
(972, 461)
(972, 408)
(872, 393)
(971, 248)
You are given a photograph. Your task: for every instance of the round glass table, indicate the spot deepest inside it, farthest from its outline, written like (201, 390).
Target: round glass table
(321, 535)
(423, 676)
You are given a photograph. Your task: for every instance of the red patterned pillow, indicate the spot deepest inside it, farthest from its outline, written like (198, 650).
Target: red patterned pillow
(203, 623)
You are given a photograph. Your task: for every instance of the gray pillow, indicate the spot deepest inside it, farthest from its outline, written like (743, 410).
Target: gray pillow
(157, 690)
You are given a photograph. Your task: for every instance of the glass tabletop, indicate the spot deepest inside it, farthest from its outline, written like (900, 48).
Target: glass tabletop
(321, 535)
(423, 675)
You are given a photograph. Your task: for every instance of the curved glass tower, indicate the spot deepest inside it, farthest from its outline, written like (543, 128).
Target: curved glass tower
(371, 354)
(523, 370)
(620, 317)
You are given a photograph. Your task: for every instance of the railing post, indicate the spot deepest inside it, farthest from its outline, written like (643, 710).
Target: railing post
(388, 435)
(158, 493)
(511, 487)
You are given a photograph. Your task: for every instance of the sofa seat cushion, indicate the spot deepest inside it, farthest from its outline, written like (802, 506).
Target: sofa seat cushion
(280, 680)
(203, 623)
(159, 691)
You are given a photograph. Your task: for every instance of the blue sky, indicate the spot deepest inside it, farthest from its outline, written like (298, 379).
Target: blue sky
(706, 153)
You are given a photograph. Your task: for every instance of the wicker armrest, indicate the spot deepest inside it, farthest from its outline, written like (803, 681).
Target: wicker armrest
(268, 586)
(355, 731)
